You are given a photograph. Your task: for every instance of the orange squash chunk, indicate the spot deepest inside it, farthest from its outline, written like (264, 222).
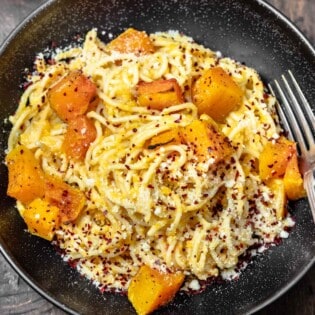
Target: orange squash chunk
(68, 199)
(278, 188)
(150, 289)
(159, 94)
(72, 95)
(207, 141)
(93, 104)
(274, 158)
(80, 134)
(132, 41)
(293, 181)
(168, 137)
(216, 94)
(42, 219)
(26, 178)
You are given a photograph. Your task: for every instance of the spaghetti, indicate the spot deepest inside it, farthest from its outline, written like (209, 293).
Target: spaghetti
(161, 206)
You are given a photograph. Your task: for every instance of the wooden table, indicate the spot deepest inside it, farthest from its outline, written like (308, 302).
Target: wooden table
(16, 297)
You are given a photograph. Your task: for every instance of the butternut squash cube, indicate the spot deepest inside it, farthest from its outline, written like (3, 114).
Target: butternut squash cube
(168, 137)
(71, 96)
(68, 199)
(42, 218)
(274, 158)
(159, 94)
(132, 41)
(150, 289)
(26, 178)
(293, 181)
(216, 94)
(277, 187)
(207, 141)
(80, 134)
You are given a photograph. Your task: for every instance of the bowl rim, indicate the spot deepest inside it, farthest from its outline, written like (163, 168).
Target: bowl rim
(28, 278)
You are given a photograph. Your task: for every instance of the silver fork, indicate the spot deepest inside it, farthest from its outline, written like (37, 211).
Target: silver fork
(298, 120)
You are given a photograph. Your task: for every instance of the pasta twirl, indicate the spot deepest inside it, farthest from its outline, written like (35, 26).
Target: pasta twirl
(159, 205)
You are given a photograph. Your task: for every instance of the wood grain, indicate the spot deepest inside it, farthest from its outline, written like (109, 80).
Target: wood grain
(16, 297)
(12, 12)
(301, 12)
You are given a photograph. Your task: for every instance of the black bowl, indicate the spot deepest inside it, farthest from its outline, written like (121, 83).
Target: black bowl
(249, 31)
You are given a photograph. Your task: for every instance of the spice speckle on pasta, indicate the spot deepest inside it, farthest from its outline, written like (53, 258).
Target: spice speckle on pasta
(151, 162)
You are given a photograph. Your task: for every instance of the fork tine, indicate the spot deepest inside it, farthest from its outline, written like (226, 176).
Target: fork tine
(291, 124)
(300, 122)
(306, 104)
(292, 116)
(300, 115)
(282, 115)
(309, 187)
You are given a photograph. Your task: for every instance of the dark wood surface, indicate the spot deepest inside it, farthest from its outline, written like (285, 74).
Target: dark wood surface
(16, 297)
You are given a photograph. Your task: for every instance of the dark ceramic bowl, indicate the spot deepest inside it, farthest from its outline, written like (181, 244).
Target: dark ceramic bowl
(249, 31)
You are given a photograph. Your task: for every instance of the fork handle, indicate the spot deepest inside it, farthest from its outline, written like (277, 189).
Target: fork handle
(310, 190)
